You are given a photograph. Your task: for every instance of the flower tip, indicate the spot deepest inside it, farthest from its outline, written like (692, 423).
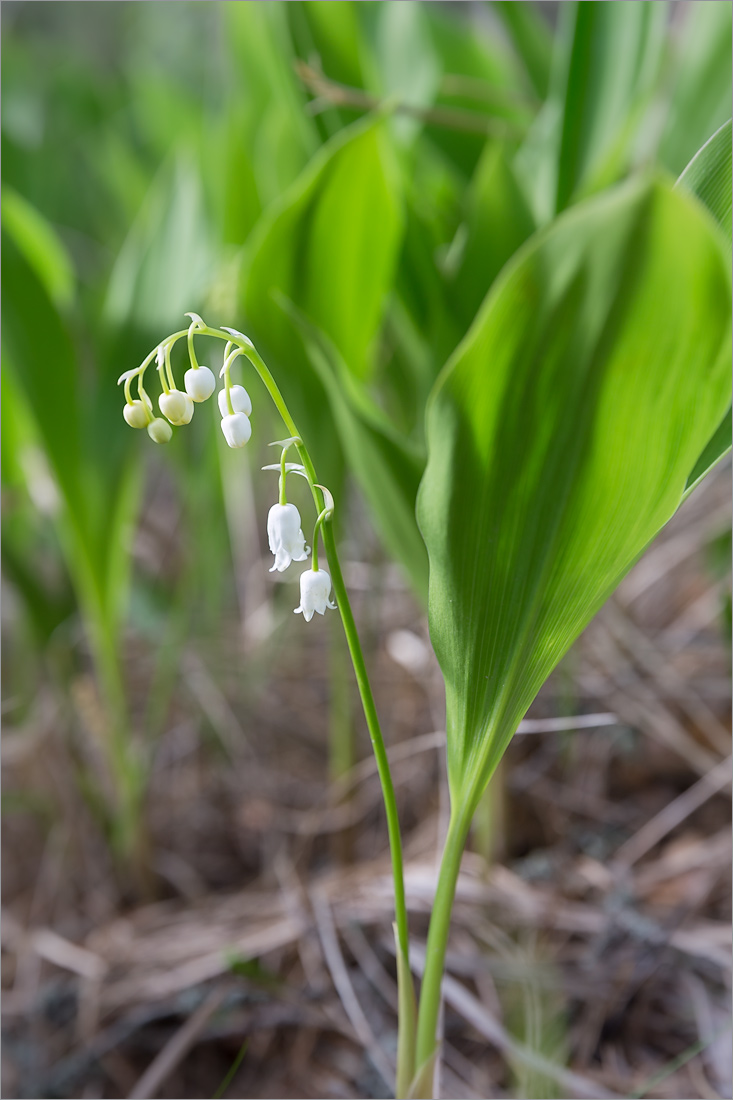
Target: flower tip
(128, 374)
(236, 332)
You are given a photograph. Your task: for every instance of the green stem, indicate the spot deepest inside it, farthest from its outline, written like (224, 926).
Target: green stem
(375, 733)
(427, 1020)
(283, 474)
(325, 514)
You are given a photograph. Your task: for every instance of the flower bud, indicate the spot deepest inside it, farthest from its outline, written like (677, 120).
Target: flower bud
(160, 430)
(237, 429)
(240, 401)
(199, 382)
(176, 406)
(135, 414)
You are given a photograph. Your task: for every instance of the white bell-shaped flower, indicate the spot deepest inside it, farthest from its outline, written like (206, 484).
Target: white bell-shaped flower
(135, 414)
(285, 536)
(160, 430)
(315, 589)
(199, 382)
(240, 401)
(176, 407)
(237, 429)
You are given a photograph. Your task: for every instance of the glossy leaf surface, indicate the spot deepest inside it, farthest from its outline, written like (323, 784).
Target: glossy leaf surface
(708, 176)
(561, 436)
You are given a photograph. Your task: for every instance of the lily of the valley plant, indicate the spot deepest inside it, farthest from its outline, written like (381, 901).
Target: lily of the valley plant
(585, 403)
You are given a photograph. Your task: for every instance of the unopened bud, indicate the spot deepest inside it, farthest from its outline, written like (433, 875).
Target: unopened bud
(199, 382)
(160, 430)
(237, 429)
(135, 414)
(176, 406)
(240, 401)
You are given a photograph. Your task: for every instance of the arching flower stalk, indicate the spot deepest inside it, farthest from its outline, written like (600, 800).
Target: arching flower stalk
(287, 542)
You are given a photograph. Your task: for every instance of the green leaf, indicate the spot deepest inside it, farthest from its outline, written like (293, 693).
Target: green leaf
(276, 136)
(405, 64)
(560, 440)
(386, 468)
(719, 444)
(708, 175)
(162, 266)
(531, 36)
(40, 245)
(498, 221)
(330, 246)
(701, 70)
(38, 348)
(607, 60)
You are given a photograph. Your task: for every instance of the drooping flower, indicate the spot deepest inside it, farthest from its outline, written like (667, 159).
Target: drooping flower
(199, 382)
(160, 430)
(285, 536)
(135, 414)
(240, 401)
(176, 407)
(315, 589)
(237, 429)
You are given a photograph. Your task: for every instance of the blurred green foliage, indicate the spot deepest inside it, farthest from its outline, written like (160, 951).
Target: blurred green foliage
(344, 182)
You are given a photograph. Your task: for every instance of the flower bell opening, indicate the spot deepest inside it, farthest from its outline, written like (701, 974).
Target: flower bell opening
(315, 590)
(285, 536)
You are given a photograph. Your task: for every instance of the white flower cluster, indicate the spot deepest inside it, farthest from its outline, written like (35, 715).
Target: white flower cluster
(284, 531)
(199, 383)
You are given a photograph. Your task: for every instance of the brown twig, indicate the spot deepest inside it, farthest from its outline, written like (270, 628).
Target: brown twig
(330, 93)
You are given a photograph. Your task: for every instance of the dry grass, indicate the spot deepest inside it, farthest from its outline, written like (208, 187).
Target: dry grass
(590, 956)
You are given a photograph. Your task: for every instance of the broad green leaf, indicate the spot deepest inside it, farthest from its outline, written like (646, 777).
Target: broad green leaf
(560, 440)
(98, 489)
(38, 348)
(700, 72)
(330, 246)
(498, 221)
(607, 59)
(162, 267)
(708, 175)
(276, 135)
(479, 78)
(40, 245)
(402, 62)
(718, 445)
